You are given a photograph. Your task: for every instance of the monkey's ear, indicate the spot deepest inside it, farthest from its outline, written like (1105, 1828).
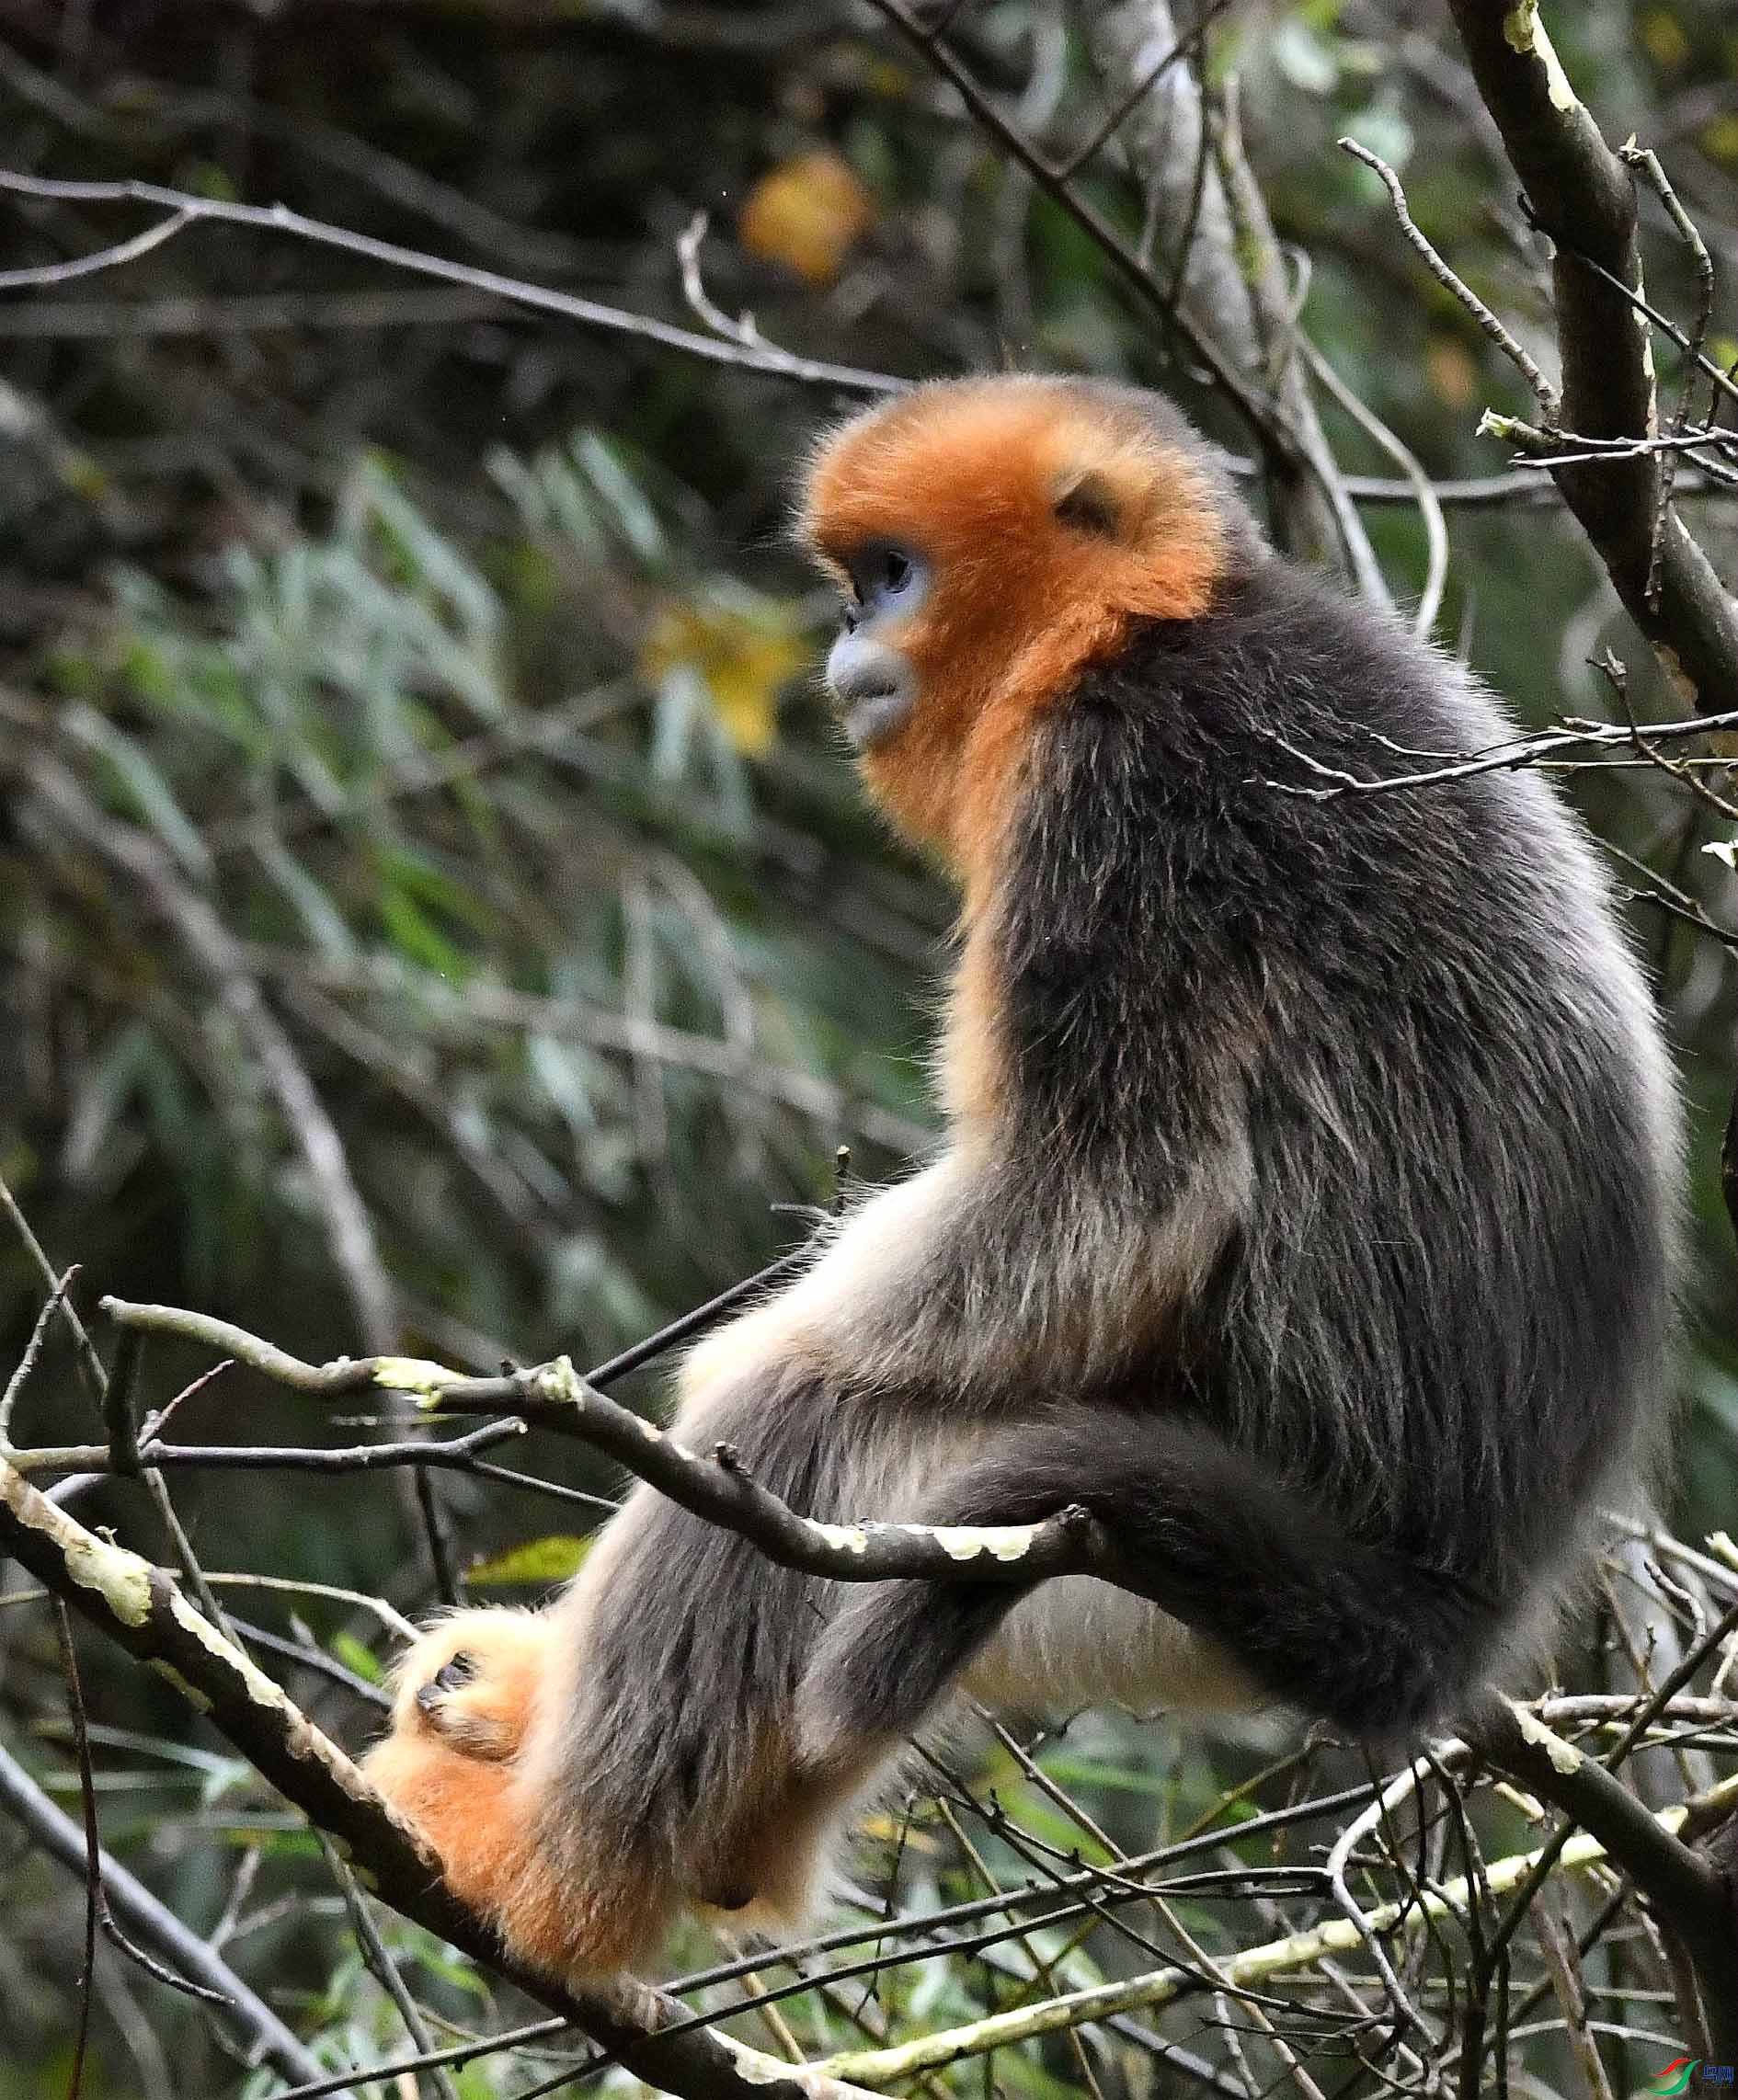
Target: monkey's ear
(1086, 499)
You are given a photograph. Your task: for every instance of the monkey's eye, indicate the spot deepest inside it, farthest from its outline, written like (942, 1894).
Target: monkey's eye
(884, 576)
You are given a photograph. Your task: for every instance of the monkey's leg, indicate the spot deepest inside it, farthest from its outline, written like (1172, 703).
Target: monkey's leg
(656, 1762)
(659, 1769)
(1355, 1631)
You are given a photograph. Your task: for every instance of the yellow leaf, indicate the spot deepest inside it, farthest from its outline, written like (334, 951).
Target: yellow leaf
(1453, 374)
(1663, 37)
(886, 1831)
(1719, 137)
(742, 657)
(806, 213)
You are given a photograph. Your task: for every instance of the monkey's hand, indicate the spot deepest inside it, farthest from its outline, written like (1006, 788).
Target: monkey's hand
(464, 1697)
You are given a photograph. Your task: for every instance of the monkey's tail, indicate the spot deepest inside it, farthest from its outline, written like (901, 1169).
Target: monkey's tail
(1359, 1634)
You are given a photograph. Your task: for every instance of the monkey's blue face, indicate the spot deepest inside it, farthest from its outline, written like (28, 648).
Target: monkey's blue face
(873, 683)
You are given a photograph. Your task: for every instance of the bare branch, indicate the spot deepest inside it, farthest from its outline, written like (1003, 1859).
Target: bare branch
(1455, 286)
(556, 1396)
(27, 1362)
(569, 306)
(928, 44)
(1686, 1888)
(1225, 272)
(454, 1452)
(256, 2026)
(1429, 503)
(103, 258)
(1648, 161)
(1295, 1951)
(1564, 1964)
(1537, 748)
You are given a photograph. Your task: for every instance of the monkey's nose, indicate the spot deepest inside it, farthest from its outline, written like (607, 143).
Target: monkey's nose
(873, 687)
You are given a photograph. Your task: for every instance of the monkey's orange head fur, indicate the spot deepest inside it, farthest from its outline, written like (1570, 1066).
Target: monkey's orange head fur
(1050, 515)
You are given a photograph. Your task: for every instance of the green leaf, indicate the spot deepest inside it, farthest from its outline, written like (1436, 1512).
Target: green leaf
(415, 935)
(1117, 1778)
(537, 1561)
(357, 1657)
(617, 490)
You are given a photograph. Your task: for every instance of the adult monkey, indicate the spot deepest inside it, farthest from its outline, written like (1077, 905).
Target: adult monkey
(1306, 1210)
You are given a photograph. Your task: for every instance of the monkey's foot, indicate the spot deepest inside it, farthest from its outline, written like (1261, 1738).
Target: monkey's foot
(465, 1698)
(469, 1681)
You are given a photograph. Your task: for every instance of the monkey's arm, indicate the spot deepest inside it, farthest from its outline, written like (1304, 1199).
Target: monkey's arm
(857, 1296)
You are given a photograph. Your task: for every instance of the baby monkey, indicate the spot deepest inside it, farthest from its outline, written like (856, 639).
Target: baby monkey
(1305, 1211)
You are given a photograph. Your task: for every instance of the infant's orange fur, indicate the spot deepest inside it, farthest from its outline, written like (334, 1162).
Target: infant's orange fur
(455, 1765)
(452, 1765)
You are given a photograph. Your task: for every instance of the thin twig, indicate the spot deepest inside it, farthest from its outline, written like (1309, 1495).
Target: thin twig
(1552, 450)
(86, 1986)
(253, 2023)
(1295, 1951)
(90, 1365)
(381, 1966)
(1561, 1959)
(99, 1900)
(452, 1451)
(1184, 47)
(1257, 411)
(1429, 505)
(280, 219)
(142, 1610)
(1386, 1800)
(1455, 286)
(128, 251)
(1512, 755)
(452, 2056)
(555, 1395)
(32, 1350)
(1634, 156)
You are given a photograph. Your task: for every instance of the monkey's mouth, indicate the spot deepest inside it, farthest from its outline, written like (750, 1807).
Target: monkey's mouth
(872, 717)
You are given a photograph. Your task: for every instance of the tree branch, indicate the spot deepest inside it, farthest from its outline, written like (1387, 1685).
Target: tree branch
(143, 1611)
(556, 1396)
(280, 218)
(154, 1924)
(1580, 194)
(1686, 1892)
(1415, 1911)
